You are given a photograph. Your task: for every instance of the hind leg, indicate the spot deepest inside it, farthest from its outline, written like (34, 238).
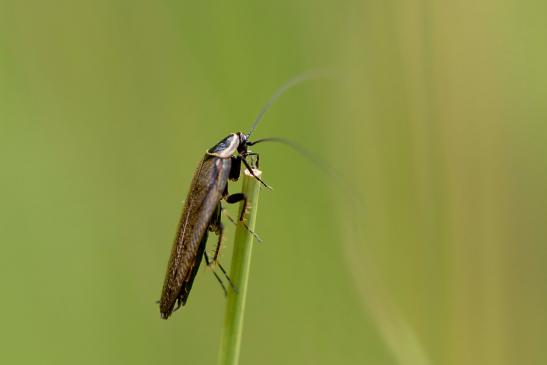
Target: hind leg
(217, 227)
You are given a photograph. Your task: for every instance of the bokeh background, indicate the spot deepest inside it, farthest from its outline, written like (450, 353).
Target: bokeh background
(437, 119)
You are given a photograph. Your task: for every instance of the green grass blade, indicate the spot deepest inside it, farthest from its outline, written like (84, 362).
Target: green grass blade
(230, 342)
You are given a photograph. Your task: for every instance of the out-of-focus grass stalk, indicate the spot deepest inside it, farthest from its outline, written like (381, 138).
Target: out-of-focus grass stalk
(230, 341)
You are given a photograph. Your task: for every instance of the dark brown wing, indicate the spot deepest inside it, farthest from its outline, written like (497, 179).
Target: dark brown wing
(206, 191)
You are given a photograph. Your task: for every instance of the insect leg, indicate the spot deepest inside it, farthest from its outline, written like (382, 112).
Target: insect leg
(220, 233)
(234, 288)
(236, 198)
(244, 225)
(229, 217)
(252, 173)
(179, 304)
(235, 170)
(210, 263)
(216, 226)
(257, 158)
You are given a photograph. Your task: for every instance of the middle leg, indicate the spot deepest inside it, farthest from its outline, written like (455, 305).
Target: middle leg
(235, 198)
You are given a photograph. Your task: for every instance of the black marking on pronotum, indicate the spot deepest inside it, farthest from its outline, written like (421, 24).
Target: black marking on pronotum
(203, 208)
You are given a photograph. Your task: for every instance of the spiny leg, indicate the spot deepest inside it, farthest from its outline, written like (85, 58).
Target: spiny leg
(234, 288)
(210, 264)
(217, 227)
(249, 167)
(235, 170)
(220, 233)
(255, 235)
(235, 198)
(257, 158)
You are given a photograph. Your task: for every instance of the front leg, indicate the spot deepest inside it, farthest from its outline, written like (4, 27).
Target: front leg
(257, 158)
(235, 170)
(250, 169)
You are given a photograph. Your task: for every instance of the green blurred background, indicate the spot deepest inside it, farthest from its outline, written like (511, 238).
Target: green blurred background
(438, 118)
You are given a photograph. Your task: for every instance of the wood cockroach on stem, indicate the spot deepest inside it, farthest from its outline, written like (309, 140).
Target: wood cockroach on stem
(202, 209)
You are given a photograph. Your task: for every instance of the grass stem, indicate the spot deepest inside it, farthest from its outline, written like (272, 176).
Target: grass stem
(230, 342)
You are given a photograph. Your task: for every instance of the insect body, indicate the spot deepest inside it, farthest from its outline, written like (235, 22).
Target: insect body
(202, 213)
(202, 209)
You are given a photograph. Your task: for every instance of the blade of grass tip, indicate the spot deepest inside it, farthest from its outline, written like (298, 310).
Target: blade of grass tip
(230, 341)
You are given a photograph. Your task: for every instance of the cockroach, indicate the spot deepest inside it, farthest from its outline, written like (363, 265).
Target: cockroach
(202, 209)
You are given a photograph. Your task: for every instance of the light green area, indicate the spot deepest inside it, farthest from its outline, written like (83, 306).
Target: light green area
(436, 255)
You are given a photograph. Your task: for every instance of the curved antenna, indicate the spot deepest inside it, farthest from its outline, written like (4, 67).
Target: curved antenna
(292, 82)
(321, 164)
(310, 156)
(346, 186)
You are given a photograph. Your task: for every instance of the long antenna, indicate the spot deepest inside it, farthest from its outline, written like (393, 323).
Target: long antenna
(310, 156)
(345, 186)
(321, 164)
(295, 81)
